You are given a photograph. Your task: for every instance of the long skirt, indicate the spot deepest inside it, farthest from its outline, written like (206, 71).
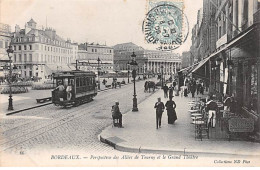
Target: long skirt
(172, 117)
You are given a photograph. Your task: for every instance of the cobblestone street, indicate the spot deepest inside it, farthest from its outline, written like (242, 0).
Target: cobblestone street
(76, 128)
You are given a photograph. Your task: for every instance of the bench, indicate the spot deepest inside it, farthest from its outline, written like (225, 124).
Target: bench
(43, 100)
(240, 125)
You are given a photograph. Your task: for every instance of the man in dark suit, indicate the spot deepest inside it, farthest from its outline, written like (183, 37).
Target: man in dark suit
(159, 111)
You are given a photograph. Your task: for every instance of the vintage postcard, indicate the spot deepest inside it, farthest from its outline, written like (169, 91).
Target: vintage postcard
(172, 83)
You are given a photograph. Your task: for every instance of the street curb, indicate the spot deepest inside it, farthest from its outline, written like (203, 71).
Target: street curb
(21, 110)
(123, 148)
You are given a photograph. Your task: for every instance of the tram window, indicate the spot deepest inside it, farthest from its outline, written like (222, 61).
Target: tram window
(77, 82)
(84, 81)
(81, 81)
(66, 82)
(87, 81)
(93, 80)
(90, 81)
(71, 82)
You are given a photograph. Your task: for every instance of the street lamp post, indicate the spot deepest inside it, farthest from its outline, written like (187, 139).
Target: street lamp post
(162, 75)
(98, 60)
(134, 64)
(9, 52)
(128, 65)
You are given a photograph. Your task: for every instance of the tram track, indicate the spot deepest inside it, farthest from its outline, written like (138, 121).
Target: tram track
(30, 129)
(18, 129)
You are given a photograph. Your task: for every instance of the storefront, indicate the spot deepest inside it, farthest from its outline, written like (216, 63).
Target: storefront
(235, 71)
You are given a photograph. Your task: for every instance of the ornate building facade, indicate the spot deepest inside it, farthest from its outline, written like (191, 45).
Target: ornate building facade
(151, 61)
(40, 52)
(90, 53)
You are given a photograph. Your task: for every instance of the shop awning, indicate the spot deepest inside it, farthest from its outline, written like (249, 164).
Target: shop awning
(200, 64)
(231, 44)
(188, 69)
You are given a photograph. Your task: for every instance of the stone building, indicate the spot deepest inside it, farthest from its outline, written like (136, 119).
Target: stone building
(231, 62)
(148, 60)
(89, 53)
(40, 52)
(5, 39)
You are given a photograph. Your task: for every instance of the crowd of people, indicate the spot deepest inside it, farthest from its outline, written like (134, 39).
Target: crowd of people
(192, 86)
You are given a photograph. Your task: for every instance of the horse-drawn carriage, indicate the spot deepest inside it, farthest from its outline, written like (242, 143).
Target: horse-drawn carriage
(148, 85)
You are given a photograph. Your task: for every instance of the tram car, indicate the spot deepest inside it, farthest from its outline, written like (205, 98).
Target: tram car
(73, 88)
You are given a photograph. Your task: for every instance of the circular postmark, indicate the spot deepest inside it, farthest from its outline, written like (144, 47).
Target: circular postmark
(167, 26)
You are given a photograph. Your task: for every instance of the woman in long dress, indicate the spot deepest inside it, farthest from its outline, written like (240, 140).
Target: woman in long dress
(170, 107)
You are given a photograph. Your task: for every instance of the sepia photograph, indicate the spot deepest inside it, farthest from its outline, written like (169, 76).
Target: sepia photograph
(129, 83)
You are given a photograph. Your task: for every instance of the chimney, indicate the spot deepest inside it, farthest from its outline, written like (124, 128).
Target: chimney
(17, 28)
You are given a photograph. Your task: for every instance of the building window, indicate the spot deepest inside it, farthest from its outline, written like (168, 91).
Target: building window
(20, 57)
(48, 48)
(1, 44)
(30, 57)
(20, 47)
(14, 57)
(92, 50)
(220, 32)
(6, 44)
(25, 58)
(45, 48)
(14, 48)
(24, 47)
(95, 50)
(30, 46)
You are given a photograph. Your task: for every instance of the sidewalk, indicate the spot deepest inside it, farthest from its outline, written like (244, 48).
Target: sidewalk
(23, 100)
(140, 134)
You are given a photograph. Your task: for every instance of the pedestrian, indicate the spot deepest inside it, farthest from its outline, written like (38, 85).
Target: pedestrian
(174, 84)
(170, 107)
(69, 91)
(185, 91)
(170, 91)
(198, 88)
(116, 114)
(145, 86)
(159, 111)
(165, 90)
(212, 109)
(193, 87)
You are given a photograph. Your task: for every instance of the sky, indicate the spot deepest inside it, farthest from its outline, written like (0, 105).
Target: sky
(107, 22)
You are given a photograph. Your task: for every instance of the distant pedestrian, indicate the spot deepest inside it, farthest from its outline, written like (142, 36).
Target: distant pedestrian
(170, 107)
(159, 111)
(174, 84)
(165, 90)
(198, 88)
(171, 92)
(193, 88)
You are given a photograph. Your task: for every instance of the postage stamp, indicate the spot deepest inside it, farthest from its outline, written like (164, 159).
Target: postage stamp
(165, 24)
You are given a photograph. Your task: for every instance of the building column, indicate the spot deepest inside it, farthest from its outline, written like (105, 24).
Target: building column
(240, 13)
(258, 77)
(235, 17)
